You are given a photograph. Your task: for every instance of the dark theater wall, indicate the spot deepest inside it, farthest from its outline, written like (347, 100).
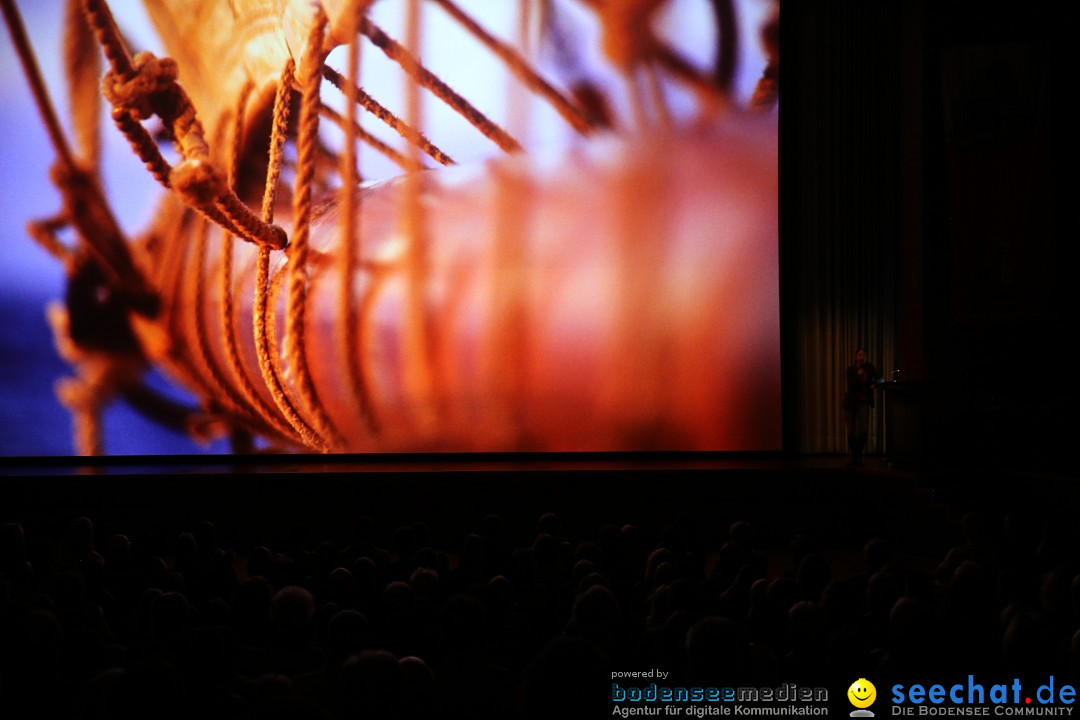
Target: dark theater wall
(1005, 299)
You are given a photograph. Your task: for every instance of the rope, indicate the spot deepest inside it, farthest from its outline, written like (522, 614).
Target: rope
(202, 339)
(411, 134)
(727, 44)
(134, 92)
(82, 398)
(278, 132)
(195, 179)
(37, 84)
(183, 324)
(227, 308)
(628, 40)
(677, 65)
(174, 223)
(173, 261)
(82, 66)
(215, 380)
(98, 231)
(264, 315)
(144, 146)
(444, 92)
(108, 35)
(142, 86)
(345, 124)
(521, 68)
(307, 148)
(44, 234)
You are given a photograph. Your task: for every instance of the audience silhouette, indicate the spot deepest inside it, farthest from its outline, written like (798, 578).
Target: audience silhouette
(513, 622)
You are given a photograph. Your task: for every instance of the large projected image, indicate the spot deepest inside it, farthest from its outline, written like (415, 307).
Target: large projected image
(394, 226)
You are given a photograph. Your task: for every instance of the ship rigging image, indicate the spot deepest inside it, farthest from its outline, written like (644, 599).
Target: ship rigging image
(405, 226)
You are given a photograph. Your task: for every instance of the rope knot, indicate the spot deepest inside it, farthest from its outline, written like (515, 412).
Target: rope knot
(69, 177)
(135, 92)
(198, 182)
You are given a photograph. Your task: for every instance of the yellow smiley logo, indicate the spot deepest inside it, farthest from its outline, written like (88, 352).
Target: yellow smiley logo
(862, 693)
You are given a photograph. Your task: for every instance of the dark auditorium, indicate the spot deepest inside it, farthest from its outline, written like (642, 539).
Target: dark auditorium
(751, 398)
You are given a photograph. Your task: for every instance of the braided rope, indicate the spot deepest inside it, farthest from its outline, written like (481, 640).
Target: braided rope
(521, 69)
(233, 400)
(142, 86)
(227, 311)
(82, 68)
(183, 323)
(295, 322)
(373, 106)
(395, 156)
(214, 377)
(264, 312)
(413, 67)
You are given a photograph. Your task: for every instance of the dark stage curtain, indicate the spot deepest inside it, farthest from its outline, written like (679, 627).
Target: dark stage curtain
(841, 113)
(917, 220)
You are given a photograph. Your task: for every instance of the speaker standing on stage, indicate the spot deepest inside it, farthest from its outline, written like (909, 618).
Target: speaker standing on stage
(858, 402)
